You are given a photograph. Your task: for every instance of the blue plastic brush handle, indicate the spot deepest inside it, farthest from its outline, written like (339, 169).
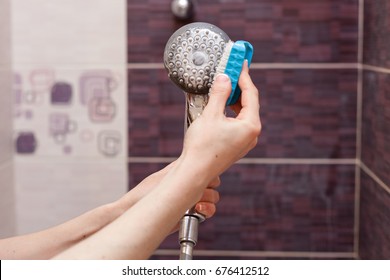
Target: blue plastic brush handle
(241, 50)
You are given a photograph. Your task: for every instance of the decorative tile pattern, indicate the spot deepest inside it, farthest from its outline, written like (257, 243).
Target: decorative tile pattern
(280, 30)
(69, 111)
(69, 90)
(277, 208)
(305, 113)
(374, 240)
(377, 33)
(376, 124)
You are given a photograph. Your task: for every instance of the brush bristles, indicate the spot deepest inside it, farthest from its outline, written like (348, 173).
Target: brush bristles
(224, 59)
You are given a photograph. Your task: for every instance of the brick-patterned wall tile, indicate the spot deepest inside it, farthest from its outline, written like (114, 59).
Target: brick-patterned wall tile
(305, 113)
(277, 208)
(374, 240)
(280, 30)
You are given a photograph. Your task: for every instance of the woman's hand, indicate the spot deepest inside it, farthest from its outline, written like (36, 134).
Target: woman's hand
(214, 142)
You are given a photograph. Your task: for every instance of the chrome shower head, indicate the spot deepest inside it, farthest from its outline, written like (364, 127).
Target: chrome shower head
(192, 54)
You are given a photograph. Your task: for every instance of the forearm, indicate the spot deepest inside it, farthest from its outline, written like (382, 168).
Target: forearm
(50, 242)
(139, 231)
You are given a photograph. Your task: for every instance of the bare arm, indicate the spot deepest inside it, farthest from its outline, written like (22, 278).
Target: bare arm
(137, 233)
(212, 143)
(47, 243)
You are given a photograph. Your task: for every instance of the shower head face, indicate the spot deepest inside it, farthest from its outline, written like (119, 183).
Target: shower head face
(192, 54)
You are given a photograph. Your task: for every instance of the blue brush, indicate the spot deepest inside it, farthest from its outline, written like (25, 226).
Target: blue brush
(231, 64)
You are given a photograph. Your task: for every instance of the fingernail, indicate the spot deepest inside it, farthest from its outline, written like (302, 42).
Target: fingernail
(222, 78)
(200, 208)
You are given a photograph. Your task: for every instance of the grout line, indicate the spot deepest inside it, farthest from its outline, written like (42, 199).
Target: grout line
(319, 161)
(375, 69)
(304, 65)
(373, 176)
(359, 117)
(356, 223)
(150, 159)
(263, 65)
(66, 160)
(360, 31)
(145, 66)
(275, 254)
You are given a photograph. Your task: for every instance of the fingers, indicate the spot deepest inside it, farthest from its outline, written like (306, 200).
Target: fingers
(206, 205)
(215, 183)
(245, 84)
(206, 209)
(222, 88)
(249, 96)
(220, 92)
(210, 195)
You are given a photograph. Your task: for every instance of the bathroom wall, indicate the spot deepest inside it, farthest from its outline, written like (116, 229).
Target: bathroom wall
(7, 201)
(293, 196)
(69, 74)
(375, 152)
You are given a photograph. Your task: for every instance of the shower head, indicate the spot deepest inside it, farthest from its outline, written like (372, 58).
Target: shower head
(192, 55)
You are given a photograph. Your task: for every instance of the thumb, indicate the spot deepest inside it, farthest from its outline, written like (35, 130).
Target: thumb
(219, 94)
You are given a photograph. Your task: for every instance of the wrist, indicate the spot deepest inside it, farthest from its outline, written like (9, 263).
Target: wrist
(203, 166)
(197, 171)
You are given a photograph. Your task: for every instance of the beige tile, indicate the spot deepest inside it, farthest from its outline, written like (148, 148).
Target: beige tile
(6, 146)
(7, 200)
(89, 31)
(5, 29)
(50, 191)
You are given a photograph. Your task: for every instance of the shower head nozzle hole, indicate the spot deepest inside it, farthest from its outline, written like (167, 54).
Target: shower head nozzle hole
(199, 58)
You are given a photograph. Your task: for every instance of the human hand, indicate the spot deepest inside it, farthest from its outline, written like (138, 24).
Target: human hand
(214, 141)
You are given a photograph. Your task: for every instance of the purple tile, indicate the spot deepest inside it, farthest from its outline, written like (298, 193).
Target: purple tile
(374, 240)
(305, 114)
(155, 114)
(280, 30)
(277, 208)
(377, 32)
(139, 171)
(61, 93)
(26, 143)
(376, 124)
